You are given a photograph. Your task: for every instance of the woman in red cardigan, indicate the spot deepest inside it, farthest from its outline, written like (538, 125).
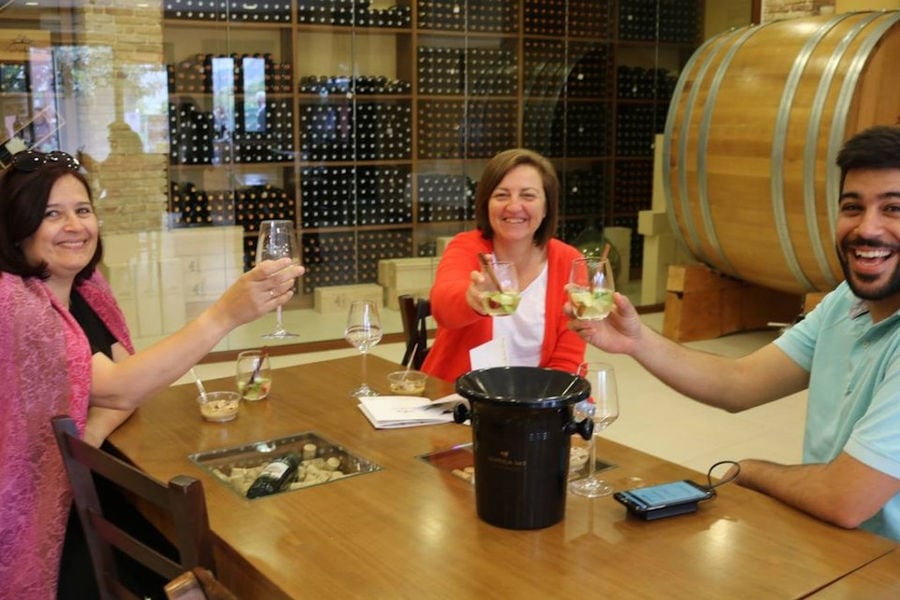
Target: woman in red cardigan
(516, 213)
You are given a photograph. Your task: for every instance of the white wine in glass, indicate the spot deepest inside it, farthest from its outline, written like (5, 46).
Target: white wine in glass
(277, 239)
(603, 408)
(591, 288)
(363, 332)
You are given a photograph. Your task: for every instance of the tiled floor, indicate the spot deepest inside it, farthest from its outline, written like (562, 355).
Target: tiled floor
(653, 417)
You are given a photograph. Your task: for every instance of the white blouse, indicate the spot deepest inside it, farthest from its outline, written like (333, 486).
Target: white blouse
(523, 331)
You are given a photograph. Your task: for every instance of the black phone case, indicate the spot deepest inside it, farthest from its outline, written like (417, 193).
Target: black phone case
(666, 511)
(661, 512)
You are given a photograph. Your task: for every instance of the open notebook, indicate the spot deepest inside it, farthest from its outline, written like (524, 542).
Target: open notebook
(391, 412)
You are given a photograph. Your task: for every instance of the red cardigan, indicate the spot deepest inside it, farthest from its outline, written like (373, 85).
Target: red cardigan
(460, 328)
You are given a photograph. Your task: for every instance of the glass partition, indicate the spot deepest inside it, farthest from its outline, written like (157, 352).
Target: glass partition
(366, 122)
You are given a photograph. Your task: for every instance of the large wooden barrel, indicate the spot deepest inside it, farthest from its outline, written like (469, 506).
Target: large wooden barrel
(753, 130)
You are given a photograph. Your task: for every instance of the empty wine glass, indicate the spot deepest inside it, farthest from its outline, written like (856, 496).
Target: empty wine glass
(277, 239)
(591, 288)
(603, 408)
(363, 332)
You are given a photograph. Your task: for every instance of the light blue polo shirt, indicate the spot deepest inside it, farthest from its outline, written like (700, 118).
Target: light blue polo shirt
(844, 352)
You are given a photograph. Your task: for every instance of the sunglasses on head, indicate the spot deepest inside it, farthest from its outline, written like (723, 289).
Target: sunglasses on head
(31, 160)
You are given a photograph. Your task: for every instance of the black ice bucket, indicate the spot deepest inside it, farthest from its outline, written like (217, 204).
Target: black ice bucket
(521, 427)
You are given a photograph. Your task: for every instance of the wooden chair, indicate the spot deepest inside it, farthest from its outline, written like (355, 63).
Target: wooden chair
(181, 501)
(414, 314)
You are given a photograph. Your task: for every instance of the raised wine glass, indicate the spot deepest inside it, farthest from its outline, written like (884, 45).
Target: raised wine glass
(277, 239)
(363, 332)
(591, 288)
(603, 408)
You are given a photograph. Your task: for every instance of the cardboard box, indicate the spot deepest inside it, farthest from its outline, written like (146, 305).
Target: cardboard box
(337, 298)
(407, 273)
(441, 244)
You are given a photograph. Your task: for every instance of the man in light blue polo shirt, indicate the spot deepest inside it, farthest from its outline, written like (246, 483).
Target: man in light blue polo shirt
(845, 352)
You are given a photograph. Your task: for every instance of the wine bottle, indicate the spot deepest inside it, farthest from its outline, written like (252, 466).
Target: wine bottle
(274, 475)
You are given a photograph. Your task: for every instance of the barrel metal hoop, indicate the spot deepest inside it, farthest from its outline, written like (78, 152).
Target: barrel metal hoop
(714, 43)
(776, 162)
(839, 121)
(667, 140)
(703, 142)
(817, 241)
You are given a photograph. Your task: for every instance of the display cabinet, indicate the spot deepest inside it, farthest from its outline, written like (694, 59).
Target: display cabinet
(369, 124)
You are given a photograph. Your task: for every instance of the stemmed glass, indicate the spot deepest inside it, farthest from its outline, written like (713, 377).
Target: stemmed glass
(591, 288)
(603, 408)
(277, 239)
(363, 332)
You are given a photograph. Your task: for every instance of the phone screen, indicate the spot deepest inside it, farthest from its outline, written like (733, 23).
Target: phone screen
(666, 494)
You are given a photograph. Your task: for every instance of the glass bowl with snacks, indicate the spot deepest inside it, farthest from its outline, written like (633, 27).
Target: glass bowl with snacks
(407, 383)
(219, 407)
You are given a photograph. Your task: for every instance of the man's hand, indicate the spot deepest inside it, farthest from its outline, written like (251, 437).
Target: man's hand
(619, 333)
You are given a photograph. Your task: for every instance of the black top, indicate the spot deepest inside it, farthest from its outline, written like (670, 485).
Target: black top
(97, 333)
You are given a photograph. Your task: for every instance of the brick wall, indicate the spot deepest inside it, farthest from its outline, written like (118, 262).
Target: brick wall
(129, 185)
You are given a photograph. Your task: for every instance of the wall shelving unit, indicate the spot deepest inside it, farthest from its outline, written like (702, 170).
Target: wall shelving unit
(379, 118)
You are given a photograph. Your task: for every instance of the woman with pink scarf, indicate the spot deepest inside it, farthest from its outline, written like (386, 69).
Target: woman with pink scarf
(65, 349)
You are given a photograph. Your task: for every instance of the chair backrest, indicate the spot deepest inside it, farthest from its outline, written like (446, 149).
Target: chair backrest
(414, 314)
(181, 502)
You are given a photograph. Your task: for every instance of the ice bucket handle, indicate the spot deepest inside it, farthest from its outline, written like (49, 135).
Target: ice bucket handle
(460, 413)
(584, 427)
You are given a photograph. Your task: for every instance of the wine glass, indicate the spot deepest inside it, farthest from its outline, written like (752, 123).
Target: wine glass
(500, 291)
(591, 288)
(277, 239)
(603, 408)
(363, 331)
(253, 375)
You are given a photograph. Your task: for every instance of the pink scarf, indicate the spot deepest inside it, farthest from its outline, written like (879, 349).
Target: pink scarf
(45, 370)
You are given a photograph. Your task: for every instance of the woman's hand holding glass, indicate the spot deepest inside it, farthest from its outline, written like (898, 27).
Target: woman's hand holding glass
(256, 292)
(494, 290)
(277, 239)
(499, 288)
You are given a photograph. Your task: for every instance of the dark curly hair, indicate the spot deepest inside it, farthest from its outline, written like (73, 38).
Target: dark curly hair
(877, 147)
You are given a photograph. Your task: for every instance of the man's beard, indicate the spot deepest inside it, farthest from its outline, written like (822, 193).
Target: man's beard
(857, 282)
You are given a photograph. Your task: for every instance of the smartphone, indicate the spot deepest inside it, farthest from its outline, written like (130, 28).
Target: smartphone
(665, 499)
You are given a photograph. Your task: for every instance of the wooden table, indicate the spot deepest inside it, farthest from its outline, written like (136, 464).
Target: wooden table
(878, 580)
(411, 530)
